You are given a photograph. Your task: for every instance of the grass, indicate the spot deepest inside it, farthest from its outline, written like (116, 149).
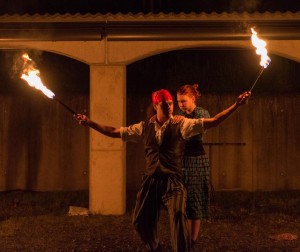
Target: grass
(240, 221)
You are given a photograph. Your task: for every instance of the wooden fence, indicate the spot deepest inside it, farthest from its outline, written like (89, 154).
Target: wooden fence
(257, 148)
(42, 147)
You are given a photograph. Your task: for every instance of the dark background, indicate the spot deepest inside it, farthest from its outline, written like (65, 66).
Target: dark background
(58, 73)
(145, 6)
(219, 70)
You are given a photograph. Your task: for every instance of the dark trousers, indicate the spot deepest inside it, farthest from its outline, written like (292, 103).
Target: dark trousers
(156, 191)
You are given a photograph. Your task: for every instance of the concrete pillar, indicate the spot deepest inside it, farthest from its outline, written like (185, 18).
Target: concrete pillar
(107, 155)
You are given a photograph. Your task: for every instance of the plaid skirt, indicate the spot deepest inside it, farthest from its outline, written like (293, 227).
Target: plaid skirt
(196, 172)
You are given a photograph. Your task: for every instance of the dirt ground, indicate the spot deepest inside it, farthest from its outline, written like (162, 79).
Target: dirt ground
(240, 221)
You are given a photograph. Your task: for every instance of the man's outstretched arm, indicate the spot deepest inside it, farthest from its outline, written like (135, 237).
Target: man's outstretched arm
(103, 129)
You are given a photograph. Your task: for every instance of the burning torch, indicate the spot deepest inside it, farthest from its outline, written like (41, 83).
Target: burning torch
(32, 76)
(262, 51)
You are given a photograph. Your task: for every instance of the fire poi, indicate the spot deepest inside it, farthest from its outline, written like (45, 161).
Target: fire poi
(32, 76)
(262, 51)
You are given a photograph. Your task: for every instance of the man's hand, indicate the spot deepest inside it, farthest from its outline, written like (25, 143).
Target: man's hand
(82, 119)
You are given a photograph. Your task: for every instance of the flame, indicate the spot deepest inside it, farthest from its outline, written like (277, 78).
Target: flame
(32, 77)
(26, 57)
(260, 49)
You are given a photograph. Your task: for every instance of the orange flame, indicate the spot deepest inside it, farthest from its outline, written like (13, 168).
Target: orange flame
(32, 77)
(260, 49)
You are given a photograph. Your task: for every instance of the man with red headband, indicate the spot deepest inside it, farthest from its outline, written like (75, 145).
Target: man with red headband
(162, 185)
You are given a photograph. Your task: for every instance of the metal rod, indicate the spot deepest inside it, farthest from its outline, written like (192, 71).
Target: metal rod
(67, 107)
(259, 74)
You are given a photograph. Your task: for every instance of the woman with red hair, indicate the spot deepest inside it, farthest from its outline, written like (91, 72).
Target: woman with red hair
(196, 166)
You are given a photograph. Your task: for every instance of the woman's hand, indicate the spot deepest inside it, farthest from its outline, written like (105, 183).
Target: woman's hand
(243, 98)
(176, 119)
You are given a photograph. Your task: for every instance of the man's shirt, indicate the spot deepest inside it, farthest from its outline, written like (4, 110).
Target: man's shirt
(188, 128)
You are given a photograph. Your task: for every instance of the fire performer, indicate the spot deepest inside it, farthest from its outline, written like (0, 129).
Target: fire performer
(196, 166)
(163, 181)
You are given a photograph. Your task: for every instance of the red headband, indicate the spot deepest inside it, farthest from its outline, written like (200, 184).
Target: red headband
(161, 95)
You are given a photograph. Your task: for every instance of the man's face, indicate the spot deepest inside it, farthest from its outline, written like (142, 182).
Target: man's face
(165, 108)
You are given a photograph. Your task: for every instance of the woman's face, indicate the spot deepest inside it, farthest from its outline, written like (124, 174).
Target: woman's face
(186, 103)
